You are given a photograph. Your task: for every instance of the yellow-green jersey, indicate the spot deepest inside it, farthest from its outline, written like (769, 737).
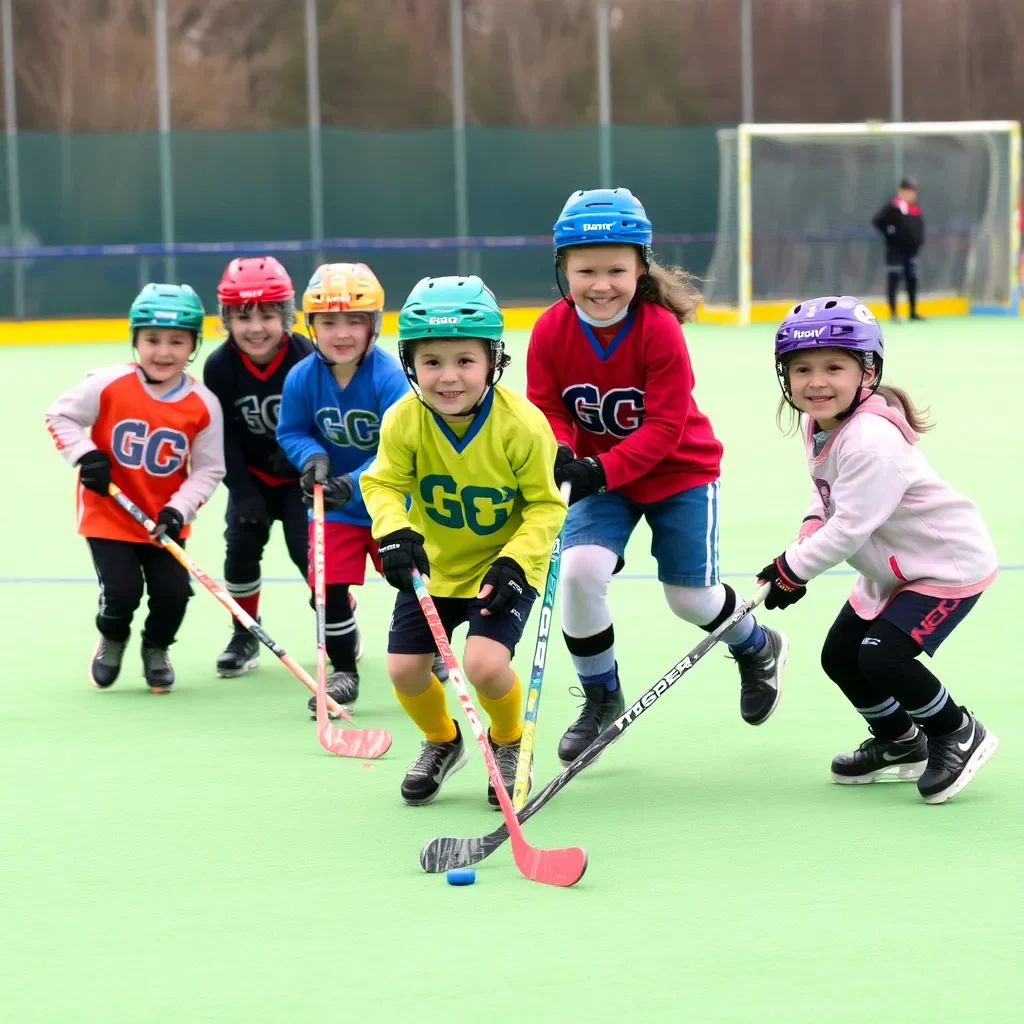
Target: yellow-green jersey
(488, 493)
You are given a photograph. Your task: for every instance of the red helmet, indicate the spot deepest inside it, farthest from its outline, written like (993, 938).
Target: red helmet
(254, 279)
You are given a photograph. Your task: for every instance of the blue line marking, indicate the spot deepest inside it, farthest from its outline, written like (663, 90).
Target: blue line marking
(295, 579)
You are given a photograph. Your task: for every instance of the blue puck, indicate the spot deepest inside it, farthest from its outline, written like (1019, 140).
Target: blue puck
(460, 876)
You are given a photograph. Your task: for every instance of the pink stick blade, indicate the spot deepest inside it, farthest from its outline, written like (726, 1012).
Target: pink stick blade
(361, 743)
(563, 867)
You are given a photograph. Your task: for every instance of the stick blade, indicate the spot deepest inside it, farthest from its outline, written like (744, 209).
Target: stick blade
(563, 867)
(449, 852)
(363, 743)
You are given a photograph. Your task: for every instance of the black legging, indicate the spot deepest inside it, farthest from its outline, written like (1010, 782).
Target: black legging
(121, 567)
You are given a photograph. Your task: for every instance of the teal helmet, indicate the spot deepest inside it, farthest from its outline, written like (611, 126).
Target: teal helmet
(168, 305)
(451, 307)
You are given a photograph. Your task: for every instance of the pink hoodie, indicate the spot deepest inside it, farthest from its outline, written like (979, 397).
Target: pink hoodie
(886, 512)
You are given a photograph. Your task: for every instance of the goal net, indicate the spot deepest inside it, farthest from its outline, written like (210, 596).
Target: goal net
(796, 202)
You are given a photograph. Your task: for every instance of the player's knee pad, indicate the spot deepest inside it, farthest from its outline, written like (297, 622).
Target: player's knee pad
(707, 607)
(885, 651)
(583, 578)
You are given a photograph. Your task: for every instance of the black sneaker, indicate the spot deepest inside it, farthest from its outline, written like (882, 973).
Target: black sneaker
(106, 662)
(241, 654)
(761, 676)
(888, 760)
(440, 669)
(435, 763)
(954, 758)
(156, 667)
(507, 757)
(917, 316)
(342, 688)
(600, 708)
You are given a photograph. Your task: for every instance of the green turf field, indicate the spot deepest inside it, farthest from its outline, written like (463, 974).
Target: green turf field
(198, 857)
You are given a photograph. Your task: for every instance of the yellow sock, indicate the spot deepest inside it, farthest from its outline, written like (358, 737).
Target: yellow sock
(429, 710)
(505, 713)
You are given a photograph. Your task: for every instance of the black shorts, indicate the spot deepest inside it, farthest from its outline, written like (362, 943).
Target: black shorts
(410, 634)
(928, 620)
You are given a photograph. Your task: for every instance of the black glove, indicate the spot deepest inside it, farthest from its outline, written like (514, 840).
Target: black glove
(168, 524)
(585, 477)
(250, 507)
(337, 492)
(786, 587)
(94, 471)
(401, 552)
(509, 583)
(563, 456)
(316, 471)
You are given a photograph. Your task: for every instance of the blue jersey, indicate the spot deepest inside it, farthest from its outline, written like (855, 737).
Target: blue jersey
(344, 423)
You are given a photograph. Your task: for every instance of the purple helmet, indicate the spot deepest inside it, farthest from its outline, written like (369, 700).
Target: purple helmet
(831, 321)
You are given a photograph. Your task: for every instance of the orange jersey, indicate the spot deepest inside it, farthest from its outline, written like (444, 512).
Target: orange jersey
(163, 450)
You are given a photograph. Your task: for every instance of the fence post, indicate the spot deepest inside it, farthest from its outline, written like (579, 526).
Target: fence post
(896, 79)
(604, 96)
(459, 131)
(163, 98)
(746, 62)
(13, 183)
(316, 165)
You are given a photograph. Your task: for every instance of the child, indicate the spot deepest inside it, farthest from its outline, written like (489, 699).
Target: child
(610, 370)
(902, 227)
(247, 373)
(921, 550)
(476, 459)
(329, 428)
(158, 434)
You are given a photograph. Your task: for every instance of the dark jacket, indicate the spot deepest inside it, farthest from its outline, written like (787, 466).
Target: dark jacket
(902, 226)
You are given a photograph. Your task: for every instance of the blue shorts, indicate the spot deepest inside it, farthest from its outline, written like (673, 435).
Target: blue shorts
(928, 620)
(684, 531)
(410, 634)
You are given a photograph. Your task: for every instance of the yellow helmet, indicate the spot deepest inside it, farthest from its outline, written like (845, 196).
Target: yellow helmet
(341, 288)
(338, 287)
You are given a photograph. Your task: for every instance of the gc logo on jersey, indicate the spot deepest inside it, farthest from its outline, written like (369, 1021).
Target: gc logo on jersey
(161, 452)
(259, 416)
(356, 427)
(484, 510)
(618, 412)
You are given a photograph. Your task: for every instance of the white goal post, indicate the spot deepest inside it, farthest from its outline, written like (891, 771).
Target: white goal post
(796, 201)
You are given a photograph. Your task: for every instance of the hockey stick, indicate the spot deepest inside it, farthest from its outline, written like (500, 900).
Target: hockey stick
(323, 723)
(540, 657)
(365, 743)
(552, 867)
(459, 852)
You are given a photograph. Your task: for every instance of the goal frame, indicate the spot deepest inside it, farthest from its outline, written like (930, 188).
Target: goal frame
(746, 131)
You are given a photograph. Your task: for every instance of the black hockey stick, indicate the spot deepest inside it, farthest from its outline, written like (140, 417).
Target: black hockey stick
(448, 852)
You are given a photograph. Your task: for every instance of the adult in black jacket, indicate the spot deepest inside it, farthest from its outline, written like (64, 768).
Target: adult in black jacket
(902, 227)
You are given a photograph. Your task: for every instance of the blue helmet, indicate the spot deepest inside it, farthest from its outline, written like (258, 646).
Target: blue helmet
(603, 216)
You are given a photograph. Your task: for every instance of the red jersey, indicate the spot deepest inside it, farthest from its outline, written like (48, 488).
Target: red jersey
(163, 450)
(624, 394)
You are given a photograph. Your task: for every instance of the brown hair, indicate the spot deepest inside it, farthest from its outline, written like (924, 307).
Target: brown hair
(671, 287)
(788, 419)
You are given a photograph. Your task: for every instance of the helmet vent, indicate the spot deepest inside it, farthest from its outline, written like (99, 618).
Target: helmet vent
(831, 304)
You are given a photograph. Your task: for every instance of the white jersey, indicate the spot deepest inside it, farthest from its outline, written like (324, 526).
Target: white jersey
(885, 511)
